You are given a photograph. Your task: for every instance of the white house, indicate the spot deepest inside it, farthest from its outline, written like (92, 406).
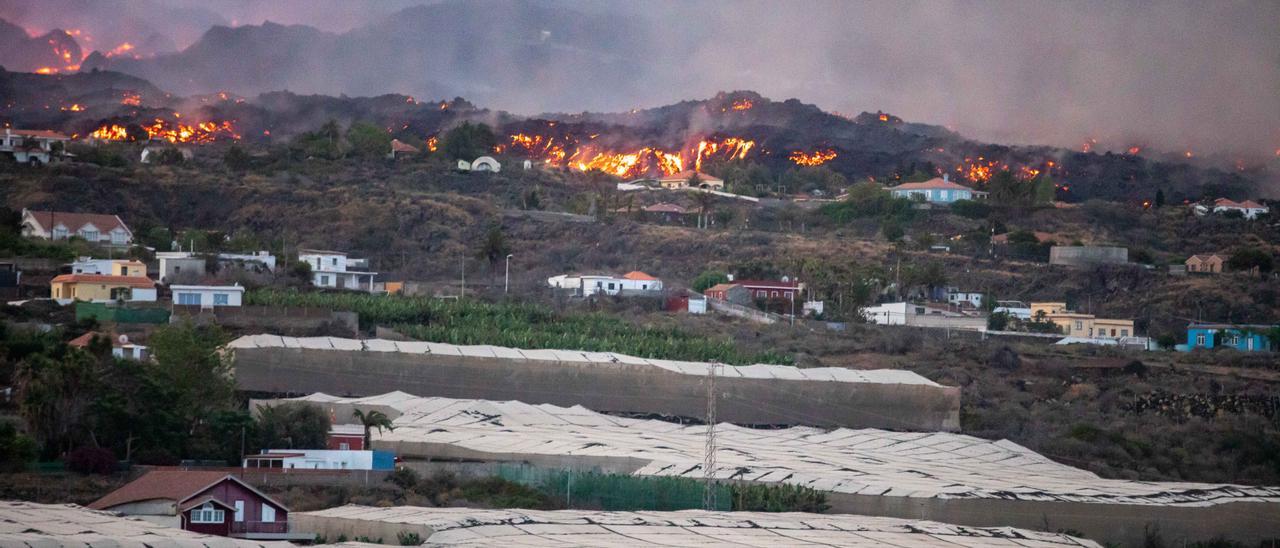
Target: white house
(264, 258)
(973, 298)
(331, 269)
(207, 296)
(922, 315)
(92, 227)
(321, 459)
(1249, 208)
(30, 146)
(585, 285)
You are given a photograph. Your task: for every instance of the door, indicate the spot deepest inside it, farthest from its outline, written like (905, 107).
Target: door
(342, 282)
(240, 510)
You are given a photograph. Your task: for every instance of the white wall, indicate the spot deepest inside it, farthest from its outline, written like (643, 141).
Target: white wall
(235, 295)
(326, 261)
(326, 459)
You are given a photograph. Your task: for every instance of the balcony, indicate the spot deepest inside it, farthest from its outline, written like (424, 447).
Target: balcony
(267, 530)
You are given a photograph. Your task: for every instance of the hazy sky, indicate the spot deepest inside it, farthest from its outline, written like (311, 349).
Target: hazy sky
(1195, 75)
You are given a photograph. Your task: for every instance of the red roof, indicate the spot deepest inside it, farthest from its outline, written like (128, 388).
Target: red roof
(766, 283)
(638, 275)
(73, 221)
(1247, 204)
(719, 287)
(42, 133)
(684, 176)
(399, 146)
(936, 183)
(131, 281)
(175, 485)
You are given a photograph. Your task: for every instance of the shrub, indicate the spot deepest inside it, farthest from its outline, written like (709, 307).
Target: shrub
(403, 478)
(971, 209)
(16, 450)
(409, 538)
(1004, 358)
(91, 460)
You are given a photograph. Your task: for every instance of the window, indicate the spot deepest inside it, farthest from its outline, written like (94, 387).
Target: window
(762, 293)
(268, 513)
(335, 261)
(221, 299)
(1079, 325)
(118, 237)
(324, 279)
(189, 298)
(610, 286)
(1124, 332)
(207, 514)
(344, 446)
(59, 232)
(775, 294)
(239, 510)
(90, 235)
(1200, 339)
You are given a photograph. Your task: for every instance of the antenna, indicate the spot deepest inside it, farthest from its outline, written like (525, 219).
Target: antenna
(709, 458)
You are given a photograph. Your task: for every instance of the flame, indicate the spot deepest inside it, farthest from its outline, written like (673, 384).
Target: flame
(112, 132)
(433, 143)
(741, 104)
(75, 107)
(568, 151)
(46, 70)
(1088, 145)
(203, 132)
(120, 50)
(729, 148)
(884, 117)
(815, 158)
(132, 99)
(1187, 154)
(1133, 151)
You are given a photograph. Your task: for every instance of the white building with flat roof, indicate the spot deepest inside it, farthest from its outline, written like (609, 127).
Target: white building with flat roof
(332, 269)
(207, 296)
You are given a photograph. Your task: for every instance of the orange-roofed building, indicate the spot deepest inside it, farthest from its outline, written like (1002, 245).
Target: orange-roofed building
(60, 225)
(102, 288)
(938, 190)
(121, 347)
(400, 149)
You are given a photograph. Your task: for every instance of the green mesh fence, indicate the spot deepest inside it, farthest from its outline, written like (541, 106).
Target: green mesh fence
(104, 313)
(595, 490)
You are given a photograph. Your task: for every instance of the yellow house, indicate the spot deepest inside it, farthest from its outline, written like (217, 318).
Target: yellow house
(135, 269)
(97, 287)
(1075, 324)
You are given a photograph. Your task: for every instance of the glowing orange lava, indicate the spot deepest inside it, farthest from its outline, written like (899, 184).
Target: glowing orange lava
(816, 158)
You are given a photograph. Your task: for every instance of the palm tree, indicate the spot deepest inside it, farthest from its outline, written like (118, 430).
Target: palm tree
(371, 420)
(705, 200)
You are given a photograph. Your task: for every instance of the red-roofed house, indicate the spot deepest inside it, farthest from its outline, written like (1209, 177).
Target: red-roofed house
(102, 288)
(401, 149)
(31, 146)
(213, 503)
(1249, 208)
(771, 289)
(58, 225)
(120, 345)
(938, 190)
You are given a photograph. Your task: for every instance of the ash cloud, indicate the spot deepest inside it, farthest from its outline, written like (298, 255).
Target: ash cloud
(1173, 76)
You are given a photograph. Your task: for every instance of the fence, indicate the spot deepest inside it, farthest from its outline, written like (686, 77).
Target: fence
(105, 313)
(617, 492)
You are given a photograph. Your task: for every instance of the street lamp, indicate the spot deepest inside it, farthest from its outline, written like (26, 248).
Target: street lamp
(506, 277)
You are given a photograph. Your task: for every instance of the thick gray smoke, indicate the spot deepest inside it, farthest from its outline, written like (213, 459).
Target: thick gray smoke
(1175, 76)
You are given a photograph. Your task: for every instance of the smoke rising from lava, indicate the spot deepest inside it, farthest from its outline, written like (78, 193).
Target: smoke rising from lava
(1173, 76)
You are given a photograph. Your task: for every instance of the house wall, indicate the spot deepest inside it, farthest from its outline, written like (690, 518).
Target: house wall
(97, 292)
(206, 296)
(176, 266)
(354, 443)
(598, 386)
(1087, 255)
(128, 268)
(220, 529)
(229, 492)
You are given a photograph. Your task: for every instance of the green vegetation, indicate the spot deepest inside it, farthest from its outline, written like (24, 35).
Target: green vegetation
(468, 141)
(292, 425)
(180, 406)
(709, 279)
(372, 419)
(518, 325)
(869, 201)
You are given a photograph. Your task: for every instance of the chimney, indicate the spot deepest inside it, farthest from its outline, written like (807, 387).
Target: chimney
(946, 177)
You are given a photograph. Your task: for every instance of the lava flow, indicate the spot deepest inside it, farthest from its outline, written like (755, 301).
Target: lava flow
(203, 132)
(816, 158)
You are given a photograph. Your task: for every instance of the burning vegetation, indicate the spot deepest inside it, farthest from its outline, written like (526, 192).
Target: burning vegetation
(567, 151)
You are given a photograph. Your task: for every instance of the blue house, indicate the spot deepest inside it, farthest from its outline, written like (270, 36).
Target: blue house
(939, 190)
(1245, 338)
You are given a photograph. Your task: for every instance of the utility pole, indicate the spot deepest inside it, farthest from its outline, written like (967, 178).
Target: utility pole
(464, 278)
(506, 276)
(709, 458)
